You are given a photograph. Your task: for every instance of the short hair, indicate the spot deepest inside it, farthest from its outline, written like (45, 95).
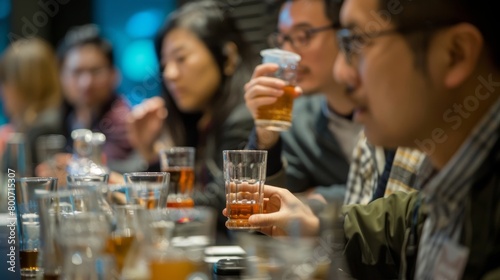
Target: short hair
(332, 10)
(30, 65)
(80, 36)
(481, 13)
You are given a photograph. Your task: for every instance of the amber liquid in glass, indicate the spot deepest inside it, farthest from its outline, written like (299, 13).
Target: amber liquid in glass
(28, 260)
(239, 214)
(281, 110)
(181, 186)
(119, 247)
(50, 277)
(172, 269)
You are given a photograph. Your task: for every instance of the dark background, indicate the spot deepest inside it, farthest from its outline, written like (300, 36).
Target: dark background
(129, 24)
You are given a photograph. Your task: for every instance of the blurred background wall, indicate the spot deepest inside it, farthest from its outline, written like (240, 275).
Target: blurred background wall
(129, 24)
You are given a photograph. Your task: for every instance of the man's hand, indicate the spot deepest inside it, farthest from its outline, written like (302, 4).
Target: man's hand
(264, 90)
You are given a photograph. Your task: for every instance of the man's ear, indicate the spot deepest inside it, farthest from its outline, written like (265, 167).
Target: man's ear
(233, 58)
(464, 45)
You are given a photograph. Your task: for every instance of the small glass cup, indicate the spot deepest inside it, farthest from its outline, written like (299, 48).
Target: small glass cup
(278, 116)
(149, 188)
(244, 176)
(179, 162)
(28, 217)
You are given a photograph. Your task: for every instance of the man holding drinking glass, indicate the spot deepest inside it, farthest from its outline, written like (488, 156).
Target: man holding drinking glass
(322, 129)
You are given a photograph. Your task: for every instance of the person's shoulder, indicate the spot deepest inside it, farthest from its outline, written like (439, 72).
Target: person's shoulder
(308, 103)
(240, 113)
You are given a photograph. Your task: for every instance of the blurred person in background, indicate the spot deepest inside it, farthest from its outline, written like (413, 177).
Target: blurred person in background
(204, 65)
(322, 129)
(89, 80)
(31, 94)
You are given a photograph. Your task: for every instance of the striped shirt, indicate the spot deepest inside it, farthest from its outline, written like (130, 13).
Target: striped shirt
(367, 165)
(446, 192)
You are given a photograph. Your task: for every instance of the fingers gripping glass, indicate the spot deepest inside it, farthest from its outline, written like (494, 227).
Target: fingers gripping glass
(299, 38)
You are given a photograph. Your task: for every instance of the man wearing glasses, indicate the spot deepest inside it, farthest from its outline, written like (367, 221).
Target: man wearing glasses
(322, 129)
(427, 78)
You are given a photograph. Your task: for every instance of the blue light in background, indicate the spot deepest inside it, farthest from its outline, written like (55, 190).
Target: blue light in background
(4, 9)
(144, 24)
(139, 61)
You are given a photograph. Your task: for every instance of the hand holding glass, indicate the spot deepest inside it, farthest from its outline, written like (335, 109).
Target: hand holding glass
(278, 116)
(244, 175)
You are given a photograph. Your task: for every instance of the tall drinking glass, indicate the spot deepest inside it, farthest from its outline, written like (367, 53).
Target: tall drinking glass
(53, 208)
(278, 116)
(244, 175)
(28, 216)
(179, 162)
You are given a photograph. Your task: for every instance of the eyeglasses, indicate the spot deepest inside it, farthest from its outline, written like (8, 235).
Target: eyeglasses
(298, 38)
(351, 43)
(95, 72)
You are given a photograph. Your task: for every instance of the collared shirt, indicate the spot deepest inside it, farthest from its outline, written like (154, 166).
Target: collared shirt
(368, 163)
(345, 130)
(447, 191)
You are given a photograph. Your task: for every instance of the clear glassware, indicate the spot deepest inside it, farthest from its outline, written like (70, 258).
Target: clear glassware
(149, 188)
(87, 156)
(278, 258)
(83, 238)
(126, 231)
(173, 244)
(53, 207)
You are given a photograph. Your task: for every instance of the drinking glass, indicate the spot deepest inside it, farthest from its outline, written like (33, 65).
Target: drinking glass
(149, 188)
(179, 162)
(244, 176)
(174, 244)
(53, 207)
(278, 258)
(27, 191)
(278, 116)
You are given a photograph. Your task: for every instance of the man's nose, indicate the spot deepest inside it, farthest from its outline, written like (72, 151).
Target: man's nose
(344, 73)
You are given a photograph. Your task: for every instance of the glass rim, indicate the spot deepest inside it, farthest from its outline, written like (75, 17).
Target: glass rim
(245, 151)
(66, 192)
(178, 149)
(282, 54)
(146, 174)
(38, 179)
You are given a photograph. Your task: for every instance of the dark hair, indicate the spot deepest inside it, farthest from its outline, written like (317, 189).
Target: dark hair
(214, 26)
(80, 36)
(332, 10)
(431, 13)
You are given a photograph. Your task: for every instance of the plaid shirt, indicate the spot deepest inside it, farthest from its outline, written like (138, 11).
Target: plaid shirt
(447, 191)
(367, 165)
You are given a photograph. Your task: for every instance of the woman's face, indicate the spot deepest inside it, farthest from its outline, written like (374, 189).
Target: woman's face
(189, 70)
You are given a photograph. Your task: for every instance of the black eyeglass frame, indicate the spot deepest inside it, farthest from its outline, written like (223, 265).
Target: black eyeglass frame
(310, 32)
(345, 36)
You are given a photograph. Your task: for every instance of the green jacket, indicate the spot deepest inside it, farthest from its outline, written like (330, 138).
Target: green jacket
(378, 235)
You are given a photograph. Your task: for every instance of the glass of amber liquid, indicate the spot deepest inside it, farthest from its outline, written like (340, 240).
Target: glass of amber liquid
(179, 162)
(278, 116)
(244, 176)
(28, 190)
(148, 189)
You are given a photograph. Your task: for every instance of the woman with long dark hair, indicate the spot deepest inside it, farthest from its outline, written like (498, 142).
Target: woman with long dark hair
(204, 65)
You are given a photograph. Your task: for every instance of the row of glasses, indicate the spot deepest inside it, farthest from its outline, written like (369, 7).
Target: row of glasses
(244, 173)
